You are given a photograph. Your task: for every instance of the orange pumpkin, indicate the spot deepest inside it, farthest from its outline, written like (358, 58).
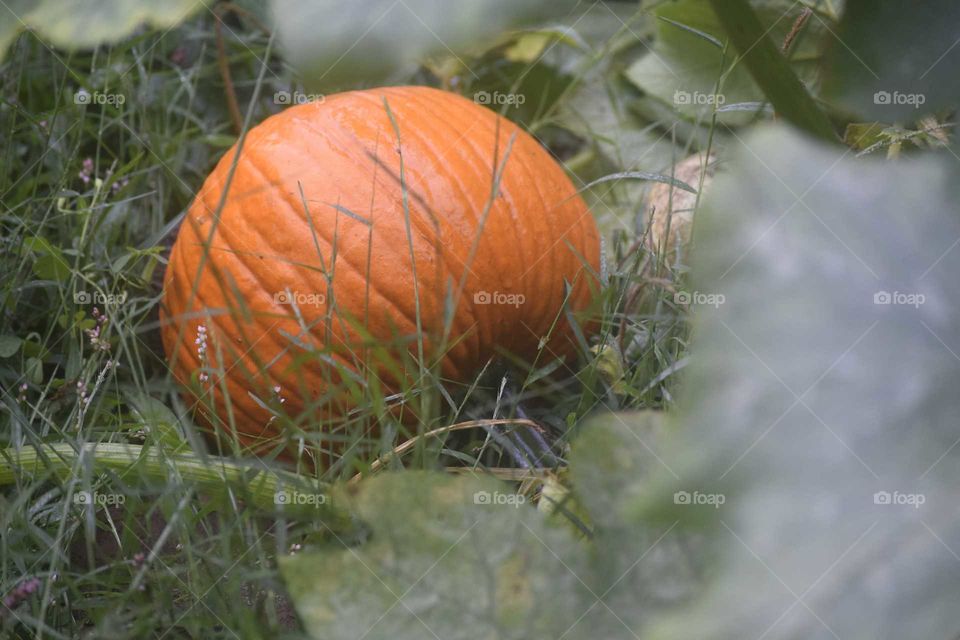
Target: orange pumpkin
(360, 234)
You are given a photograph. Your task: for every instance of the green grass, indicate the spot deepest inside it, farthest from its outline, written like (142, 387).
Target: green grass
(187, 545)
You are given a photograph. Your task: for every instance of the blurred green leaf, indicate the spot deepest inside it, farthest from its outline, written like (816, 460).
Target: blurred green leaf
(612, 463)
(345, 45)
(519, 91)
(117, 265)
(34, 370)
(156, 418)
(51, 267)
(9, 345)
(83, 24)
(220, 141)
(770, 69)
(860, 135)
(821, 400)
(684, 64)
(529, 46)
(50, 263)
(443, 559)
(31, 347)
(462, 557)
(598, 111)
(895, 60)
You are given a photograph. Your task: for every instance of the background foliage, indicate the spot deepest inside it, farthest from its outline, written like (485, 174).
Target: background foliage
(792, 476)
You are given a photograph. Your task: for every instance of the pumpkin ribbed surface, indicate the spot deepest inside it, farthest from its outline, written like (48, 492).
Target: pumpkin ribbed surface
(335, 236)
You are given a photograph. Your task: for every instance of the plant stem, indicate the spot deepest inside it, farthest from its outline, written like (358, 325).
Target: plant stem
(770, 69)
(259, 484)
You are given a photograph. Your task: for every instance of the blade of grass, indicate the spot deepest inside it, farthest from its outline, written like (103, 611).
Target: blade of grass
(406, 446)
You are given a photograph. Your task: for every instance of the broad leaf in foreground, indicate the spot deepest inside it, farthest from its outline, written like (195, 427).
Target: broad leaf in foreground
(461, 557)
(72, 24)
(333, 44)
(822, 403)
(446, 557)
(642, 561)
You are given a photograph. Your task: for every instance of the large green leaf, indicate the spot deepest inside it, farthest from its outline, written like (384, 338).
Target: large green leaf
(823, 387)
(79, 24)
(459, 558)
(643, 562)
(895, 60)
(445, 560)
(338, 45)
